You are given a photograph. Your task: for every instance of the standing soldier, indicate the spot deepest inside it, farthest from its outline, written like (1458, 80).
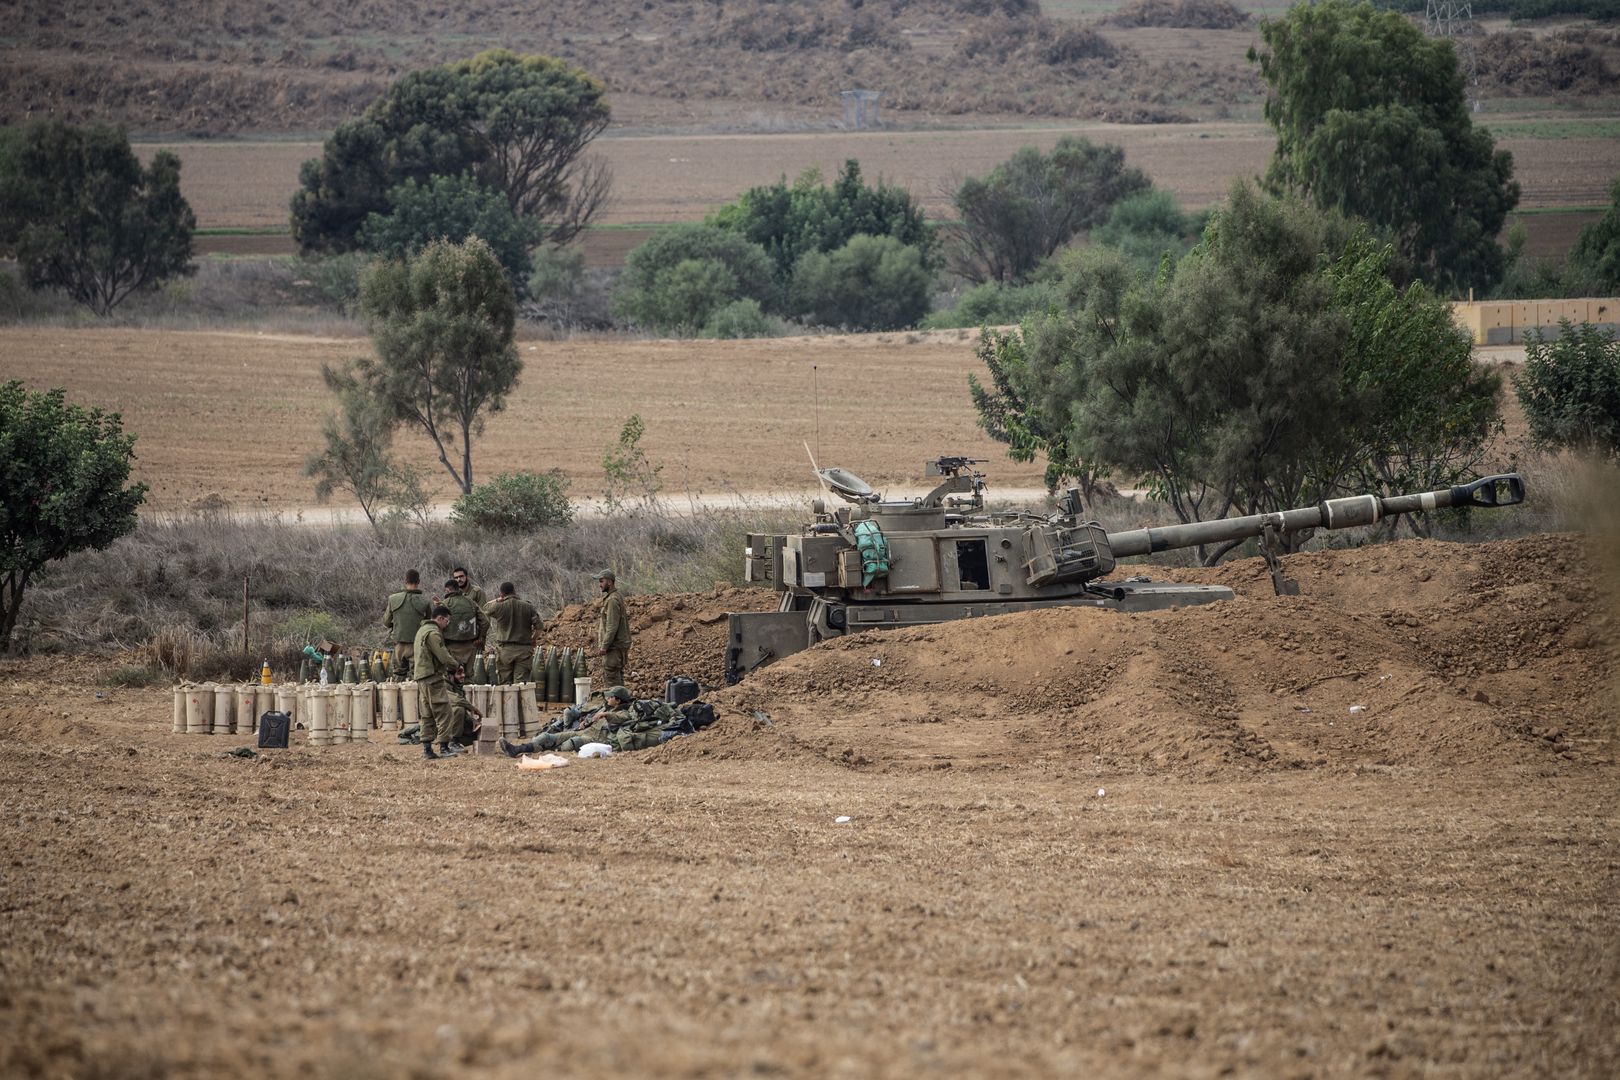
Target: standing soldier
(515, 623)
(406, 611)
(467, 623)
(612, 631)
(473, 593)
(431, 666)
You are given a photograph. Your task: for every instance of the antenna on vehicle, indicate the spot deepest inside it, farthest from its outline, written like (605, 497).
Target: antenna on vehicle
(815, 395)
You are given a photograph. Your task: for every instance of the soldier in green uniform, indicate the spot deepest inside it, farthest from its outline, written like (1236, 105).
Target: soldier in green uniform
(467, 623)
(515, 624)
(431, 665)
(618, 723)
(612, 631)
(462, 712)
(403, 616)
(473, 593)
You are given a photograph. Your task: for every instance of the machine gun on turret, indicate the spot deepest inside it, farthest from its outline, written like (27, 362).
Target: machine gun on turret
(874, 564)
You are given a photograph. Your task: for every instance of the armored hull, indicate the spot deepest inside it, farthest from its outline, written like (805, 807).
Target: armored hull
(877, 565)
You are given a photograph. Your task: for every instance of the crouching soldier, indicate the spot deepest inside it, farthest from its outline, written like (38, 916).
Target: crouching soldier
(464, 715)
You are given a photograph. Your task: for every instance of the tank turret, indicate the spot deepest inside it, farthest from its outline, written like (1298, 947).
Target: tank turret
(873, 564)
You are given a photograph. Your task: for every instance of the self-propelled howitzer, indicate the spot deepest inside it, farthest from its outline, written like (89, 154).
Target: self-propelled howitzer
(875, 565)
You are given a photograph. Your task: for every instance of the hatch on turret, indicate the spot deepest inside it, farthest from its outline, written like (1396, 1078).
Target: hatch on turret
(847, 486)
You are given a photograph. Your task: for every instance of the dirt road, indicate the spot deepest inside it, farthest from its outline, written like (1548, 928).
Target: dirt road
(1078, 843)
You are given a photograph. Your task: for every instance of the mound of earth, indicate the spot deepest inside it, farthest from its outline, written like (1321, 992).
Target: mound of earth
(1417, 653)
(671, 633)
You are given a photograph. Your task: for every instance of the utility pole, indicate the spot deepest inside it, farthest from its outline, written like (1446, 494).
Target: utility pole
(1454, 20)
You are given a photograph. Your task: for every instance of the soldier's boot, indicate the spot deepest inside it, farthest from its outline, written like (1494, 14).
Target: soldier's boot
(450, 749)
(512, 749)
(427, 752)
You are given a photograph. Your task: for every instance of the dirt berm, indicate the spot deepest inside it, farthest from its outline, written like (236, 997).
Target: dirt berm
(1417, 652)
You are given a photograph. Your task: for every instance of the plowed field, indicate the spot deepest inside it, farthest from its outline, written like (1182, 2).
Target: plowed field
(236, 413)
(1077, 844)
(660, 178)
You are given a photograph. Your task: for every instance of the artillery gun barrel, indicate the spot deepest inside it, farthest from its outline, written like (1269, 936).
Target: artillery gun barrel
(1489, 491)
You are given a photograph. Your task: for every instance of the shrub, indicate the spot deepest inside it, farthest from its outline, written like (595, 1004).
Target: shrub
(682, 275)
(791, 222)
(557, 283)
(871, 283)
(1570, 389)
(515, 502)
(741, 319)
(310, 625)
(995, 303)
(335, 278)
(1147, 226)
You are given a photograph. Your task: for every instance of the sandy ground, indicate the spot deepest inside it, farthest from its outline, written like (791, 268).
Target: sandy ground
(1079, 843)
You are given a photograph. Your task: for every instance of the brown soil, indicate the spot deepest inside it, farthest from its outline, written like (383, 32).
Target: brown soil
(1078, 844)
(236, 412)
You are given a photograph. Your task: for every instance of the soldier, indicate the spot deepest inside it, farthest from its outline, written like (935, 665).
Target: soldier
(462, 711)
(618, 724)
(464, 583)
(431, 663)
(467, 623)
(474, 593)
(515, 623)
(612, 631)
(404, 615)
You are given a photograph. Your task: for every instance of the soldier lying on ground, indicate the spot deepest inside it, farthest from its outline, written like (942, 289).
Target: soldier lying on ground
(622, 723)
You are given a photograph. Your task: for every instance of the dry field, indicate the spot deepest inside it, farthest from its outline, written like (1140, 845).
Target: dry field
(1079, 844)
(236, 413)
(660, 178)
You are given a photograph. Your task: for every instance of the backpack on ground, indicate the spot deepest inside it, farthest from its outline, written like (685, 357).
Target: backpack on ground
(690, 719)
(274, 728)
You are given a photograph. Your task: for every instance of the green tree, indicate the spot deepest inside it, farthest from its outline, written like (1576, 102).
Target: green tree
(1422, 410)
(871, 283)
(679, 277)
(81, 215)
(1598, 246)
(1570, 389)
(358, 453)
(1018, 407)
(63, 474)
(1274, 365)
(1032, 204)
(790, 222)
(517, 124)
(633, 481)
(453, 208)
(1372, 120)
(442, 324)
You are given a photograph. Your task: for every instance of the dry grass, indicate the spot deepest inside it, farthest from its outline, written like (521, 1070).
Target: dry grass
(170, 594)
